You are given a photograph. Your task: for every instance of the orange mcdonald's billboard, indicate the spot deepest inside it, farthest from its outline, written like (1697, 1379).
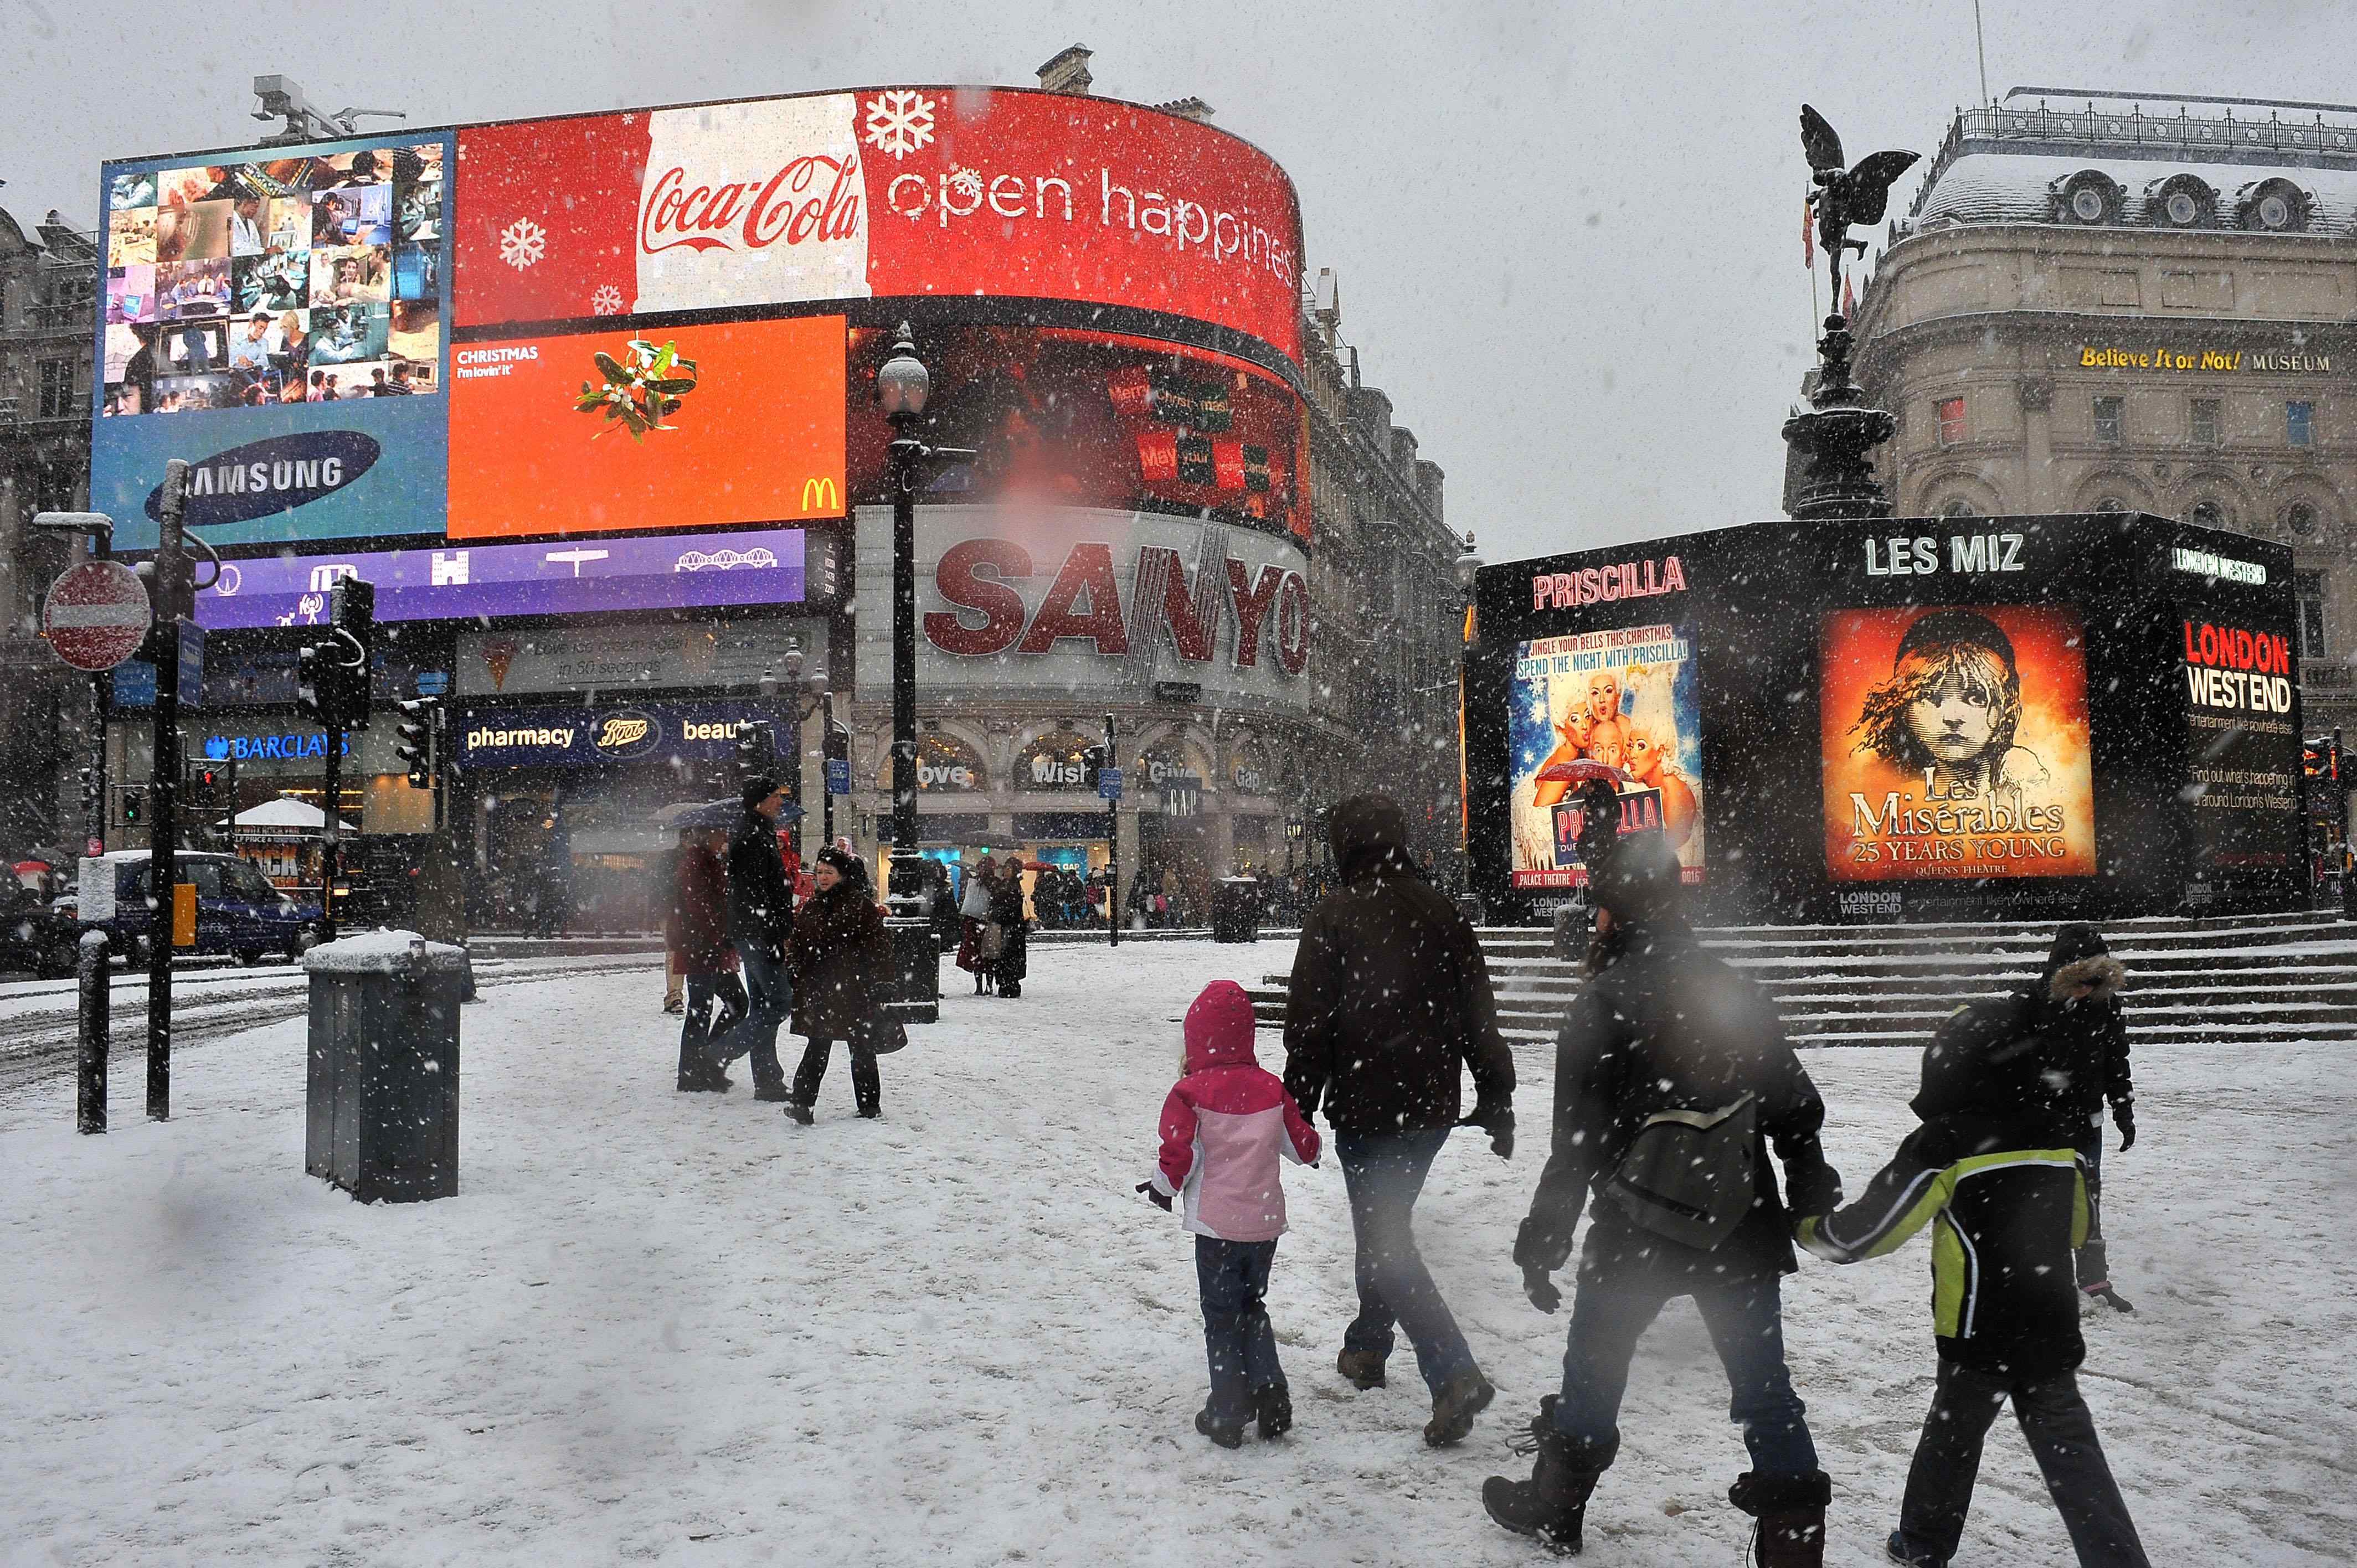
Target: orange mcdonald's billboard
(648, 427)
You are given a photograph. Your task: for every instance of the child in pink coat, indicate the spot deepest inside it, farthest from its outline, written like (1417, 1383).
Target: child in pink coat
(1224, 1127)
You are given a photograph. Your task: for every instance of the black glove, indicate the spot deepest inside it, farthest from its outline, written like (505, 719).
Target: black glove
(1498, 1120)
(2124, 1118)
(1541, 1289)
(1155, 1195)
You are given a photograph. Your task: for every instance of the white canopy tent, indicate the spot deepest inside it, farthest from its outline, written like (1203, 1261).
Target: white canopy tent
(284, 817)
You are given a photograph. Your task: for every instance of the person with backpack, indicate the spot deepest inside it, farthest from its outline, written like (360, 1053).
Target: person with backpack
(2066, 1032)
(1224, 1126)
(1388, 996)
(1993, 1172)
(1673, 1080)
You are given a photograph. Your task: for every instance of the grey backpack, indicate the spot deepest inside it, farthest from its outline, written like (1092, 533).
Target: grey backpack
(1687, 1175)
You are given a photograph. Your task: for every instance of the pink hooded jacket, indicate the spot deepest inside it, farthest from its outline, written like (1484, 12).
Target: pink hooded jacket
(1226, 1124)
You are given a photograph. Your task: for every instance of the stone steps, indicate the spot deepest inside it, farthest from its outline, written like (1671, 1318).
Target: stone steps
(2258, 979)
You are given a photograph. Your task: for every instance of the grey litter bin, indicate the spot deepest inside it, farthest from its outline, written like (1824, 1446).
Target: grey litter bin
(1235, 910)
(382, 1083)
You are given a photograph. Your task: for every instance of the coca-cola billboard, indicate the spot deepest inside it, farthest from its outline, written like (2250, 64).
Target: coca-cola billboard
(1080, 604)
(883, 192)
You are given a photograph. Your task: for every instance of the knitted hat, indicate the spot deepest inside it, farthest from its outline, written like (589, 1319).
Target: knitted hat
(845, 866)
(1638, 880)
(2074, 942)
(758, 788)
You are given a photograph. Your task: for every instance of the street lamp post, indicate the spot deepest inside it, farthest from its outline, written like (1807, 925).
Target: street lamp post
(805, 695)
(901, 385)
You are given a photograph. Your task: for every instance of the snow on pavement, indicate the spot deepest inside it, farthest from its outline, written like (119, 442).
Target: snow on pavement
(674, 1328)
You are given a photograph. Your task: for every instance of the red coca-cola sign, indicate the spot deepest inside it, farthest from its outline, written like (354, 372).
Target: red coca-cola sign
(895, 191)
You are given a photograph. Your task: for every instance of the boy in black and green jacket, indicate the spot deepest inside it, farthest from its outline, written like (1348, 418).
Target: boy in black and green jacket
(2007, 1202)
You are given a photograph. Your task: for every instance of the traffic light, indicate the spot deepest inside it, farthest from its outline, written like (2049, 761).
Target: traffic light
(757, 751)
(2320, 759)
(418, 729)
(1092, 761)
(352, 612)
(310, 683)
(134, 807)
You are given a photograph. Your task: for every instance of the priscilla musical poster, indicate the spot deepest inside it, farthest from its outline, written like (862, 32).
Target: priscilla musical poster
(1619, 705)
(1955, 744)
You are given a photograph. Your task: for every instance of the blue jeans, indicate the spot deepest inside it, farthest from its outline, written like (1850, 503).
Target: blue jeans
(1746, 1319)
(1384, 1172)
(771, 993)
(1233, 1279)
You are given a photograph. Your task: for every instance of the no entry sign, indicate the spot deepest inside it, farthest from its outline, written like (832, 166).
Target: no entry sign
(96, 615)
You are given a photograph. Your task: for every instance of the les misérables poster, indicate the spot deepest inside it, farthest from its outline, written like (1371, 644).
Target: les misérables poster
(1955, 744)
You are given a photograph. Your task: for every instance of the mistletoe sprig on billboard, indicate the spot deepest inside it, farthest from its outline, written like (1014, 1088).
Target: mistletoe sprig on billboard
(639, 391)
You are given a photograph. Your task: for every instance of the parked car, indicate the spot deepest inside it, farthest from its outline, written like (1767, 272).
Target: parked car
(238, 911)
(34, 935)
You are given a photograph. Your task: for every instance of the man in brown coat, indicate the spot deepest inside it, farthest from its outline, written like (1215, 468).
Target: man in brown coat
(1388, 996)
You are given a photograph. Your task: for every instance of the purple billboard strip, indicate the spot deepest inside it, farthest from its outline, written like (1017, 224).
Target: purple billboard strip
(678, 571)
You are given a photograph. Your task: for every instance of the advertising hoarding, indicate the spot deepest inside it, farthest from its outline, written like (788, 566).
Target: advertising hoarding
(604, 735)
(276, 317)
(1913, 718)
(614, 658)
(674, 571)
(1955, 744)
(1084, 418)
(604, 432)
(1624, 700)
(1077, 602)
(891, 191)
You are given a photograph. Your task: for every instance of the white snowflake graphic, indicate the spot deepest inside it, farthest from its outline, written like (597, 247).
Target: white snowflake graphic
(606, 301)
(966, 182)
(522, 242)
(899, 122)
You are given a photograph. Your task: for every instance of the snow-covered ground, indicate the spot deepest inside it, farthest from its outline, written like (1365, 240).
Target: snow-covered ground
(668, 1328)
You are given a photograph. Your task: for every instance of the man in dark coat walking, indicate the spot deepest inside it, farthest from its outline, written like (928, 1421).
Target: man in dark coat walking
(1664, 1026)
(761, 919)
(2060, 1046)
(1388, 996)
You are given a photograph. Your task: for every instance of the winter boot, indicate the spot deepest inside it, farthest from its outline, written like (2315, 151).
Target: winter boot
(1226, 1436)
(1363, 1368)
(1791, 1511)
(772, 1092)
(1273, 1408)
(1910, 1556)
(1553, 1504)
(1461, 1399)
(2101, 1291)
(796, 1111)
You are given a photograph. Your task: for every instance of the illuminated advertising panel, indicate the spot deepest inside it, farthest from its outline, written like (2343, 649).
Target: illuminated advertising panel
(1955, 744)
(1080, 602)
(1619, 705)
(674, 571)
(1072, 418)
(604, 432)
(277, 321)
(897, 191)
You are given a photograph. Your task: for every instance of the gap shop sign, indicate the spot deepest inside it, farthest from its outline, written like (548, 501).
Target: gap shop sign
(685, 733)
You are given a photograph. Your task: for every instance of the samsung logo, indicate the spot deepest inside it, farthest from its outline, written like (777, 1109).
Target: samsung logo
(277, 475)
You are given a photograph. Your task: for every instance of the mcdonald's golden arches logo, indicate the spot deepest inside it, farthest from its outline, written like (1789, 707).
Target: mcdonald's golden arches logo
(821, 495)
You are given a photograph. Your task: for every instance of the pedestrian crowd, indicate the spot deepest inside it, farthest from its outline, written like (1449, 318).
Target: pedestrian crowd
(1677, 1098)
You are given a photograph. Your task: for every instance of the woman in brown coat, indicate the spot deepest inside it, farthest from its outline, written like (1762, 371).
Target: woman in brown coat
(840, 958)
(697, 937)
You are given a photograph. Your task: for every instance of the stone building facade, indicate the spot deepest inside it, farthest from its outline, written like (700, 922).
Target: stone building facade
(2126, 306)
(48, 283)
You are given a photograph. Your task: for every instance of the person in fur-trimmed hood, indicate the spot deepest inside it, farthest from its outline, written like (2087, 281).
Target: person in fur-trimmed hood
(2062, 1043)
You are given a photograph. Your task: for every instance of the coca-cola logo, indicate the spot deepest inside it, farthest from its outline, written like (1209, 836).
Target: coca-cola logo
(813, 199)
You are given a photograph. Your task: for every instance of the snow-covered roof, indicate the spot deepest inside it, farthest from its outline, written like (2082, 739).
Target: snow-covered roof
(2016, 187)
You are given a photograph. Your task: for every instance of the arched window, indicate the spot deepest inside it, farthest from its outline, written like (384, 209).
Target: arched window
(2208, 514)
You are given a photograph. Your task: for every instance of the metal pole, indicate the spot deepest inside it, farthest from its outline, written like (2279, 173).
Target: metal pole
(1112, 846)
(826, 752)
(331, 838)
(95, 962)
(164, 830)
(904, 658)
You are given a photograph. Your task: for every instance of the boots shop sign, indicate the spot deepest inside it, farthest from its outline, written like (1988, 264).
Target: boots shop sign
(1080, 600)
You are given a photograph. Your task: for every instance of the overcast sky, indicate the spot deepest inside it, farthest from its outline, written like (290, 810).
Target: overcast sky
(1568, 235)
